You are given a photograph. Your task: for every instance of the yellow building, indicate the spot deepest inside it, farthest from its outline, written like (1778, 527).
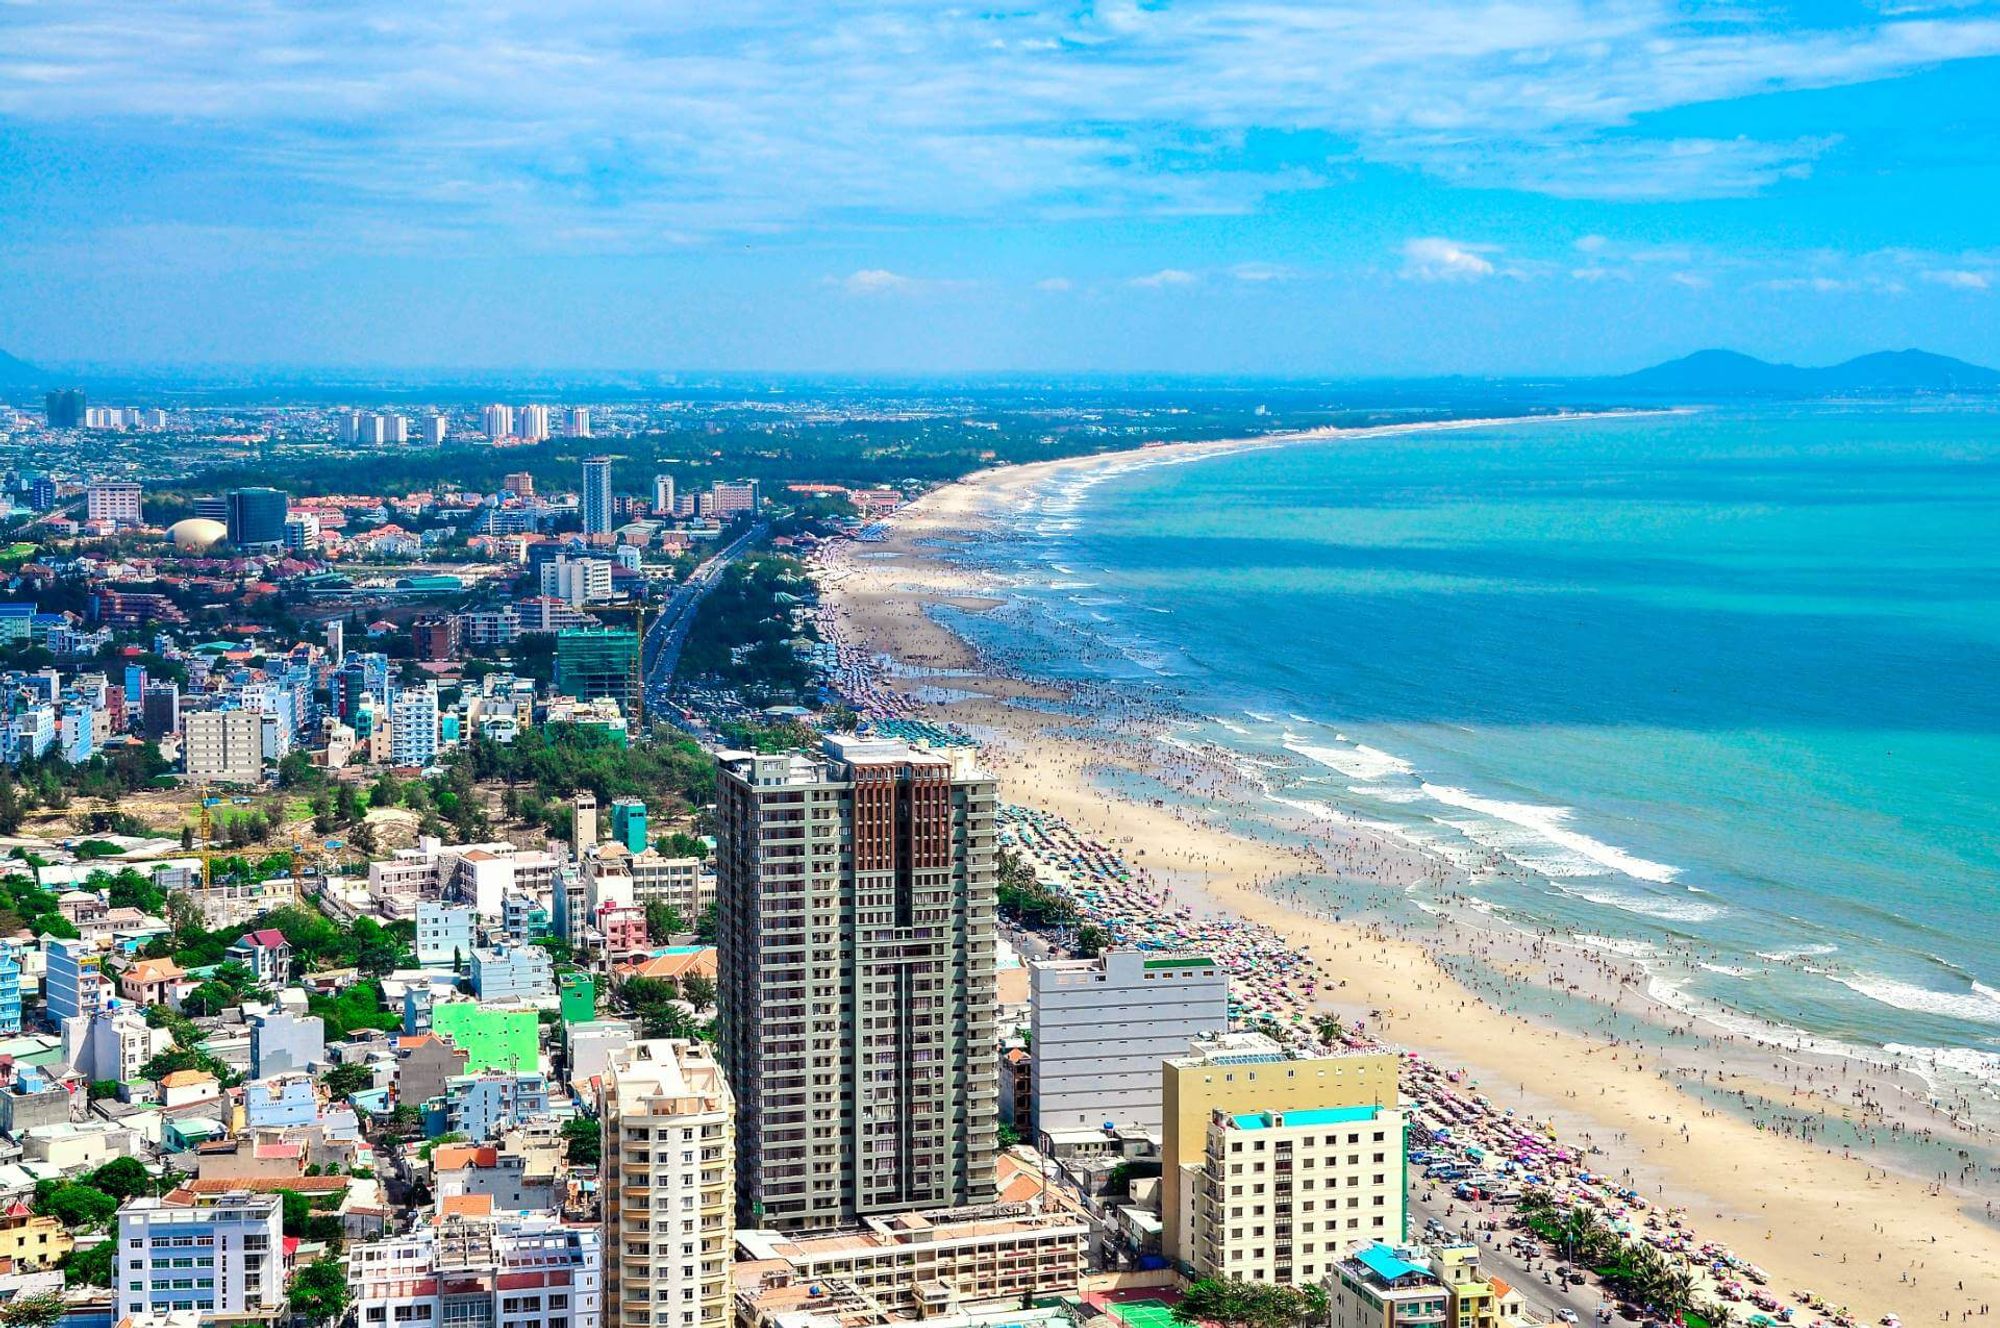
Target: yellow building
(1238, 1073)
(31, 1242)
(1471, 1298)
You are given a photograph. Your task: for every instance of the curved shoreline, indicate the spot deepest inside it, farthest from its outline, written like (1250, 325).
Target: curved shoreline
(1721, 1166)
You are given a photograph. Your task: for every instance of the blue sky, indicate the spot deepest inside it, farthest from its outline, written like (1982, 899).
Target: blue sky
(1241, 186)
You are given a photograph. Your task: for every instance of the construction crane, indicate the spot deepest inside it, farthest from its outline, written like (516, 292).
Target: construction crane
(637, 608)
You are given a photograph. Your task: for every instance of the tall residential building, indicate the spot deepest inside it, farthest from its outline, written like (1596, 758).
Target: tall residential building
(505, 1272)
(1102, 1027)
(444, 932)
(160, 709)
(576, 421)
(257, 517)
(726, 498)
(435, 428)
(520, 483)
(855, 896)
(532, 422)
(1279, 1193)
(73, 982)
(113, 500)
(224, 745)
(577, 581)
(1247, 1072)
(595, 663)
(498, 422)
(595, 504)
(628, 824)
(225, 1260)
(302, 532)
(668, 1187)
(65, 408)
(663, 495)
(413, 726)
(10, 988)
(336, 639)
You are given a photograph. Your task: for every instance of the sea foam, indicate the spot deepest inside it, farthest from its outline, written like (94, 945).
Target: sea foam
(1981, 1005)
(1548, 822)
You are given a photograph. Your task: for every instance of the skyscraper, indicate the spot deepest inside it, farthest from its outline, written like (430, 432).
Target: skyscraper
(667, 1136)
(591, 664)
(435, 427)
(257, 517)
(498, 422)
(65, 408)
(532, 422)
(578, 421)
(855, 894)
(596, 504)
(663, 495)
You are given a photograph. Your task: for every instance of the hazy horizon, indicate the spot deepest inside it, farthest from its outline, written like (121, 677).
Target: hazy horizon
(1359, 191)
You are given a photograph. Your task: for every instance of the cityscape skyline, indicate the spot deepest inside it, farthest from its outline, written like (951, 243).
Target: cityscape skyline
(1110, 188)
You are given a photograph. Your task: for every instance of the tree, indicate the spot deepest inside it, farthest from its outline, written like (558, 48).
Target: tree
(77, 1206)
(698, 991)
(1091, 941)
(90, 1267)
(319, 1292)
(1234, 1301)
(583, 1142)
(36, 1311)
(100, 1089)
(123, 1178)
(663, 920)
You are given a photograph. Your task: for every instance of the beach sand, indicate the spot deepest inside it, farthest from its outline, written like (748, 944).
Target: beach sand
(1861, 1235)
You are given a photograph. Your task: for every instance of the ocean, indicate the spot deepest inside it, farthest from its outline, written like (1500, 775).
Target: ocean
(1717, 689)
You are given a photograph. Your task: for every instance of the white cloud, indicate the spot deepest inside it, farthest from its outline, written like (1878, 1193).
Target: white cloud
(1691, 280)
(1591, 244)
(1433, 258)
(1258, 273)
(874, 281)
(1053, 284)
(1959, 279)
(575, 125)
(1166, 276)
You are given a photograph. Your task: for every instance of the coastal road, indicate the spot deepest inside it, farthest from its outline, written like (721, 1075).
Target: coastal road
(1543, 1300)
(669, 631)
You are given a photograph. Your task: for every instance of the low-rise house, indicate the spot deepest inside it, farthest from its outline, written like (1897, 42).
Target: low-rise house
(28, 1242)
(151, 982)
(265, 953)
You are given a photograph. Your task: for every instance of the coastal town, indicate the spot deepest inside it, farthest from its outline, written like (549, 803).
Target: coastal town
(610, 897)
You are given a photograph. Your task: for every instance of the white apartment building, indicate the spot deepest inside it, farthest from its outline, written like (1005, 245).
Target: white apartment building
(413, 726)
(224, 1260)
(663, 494)
(435, 427)
(1281, 1194)
(112, 1043)
(302, 532)
(727, 497)
(444, 932)
(577, 421)
(528, 1271)
(498, 422)
(1102, 1027)
(920, 1264)
(114, 500)
(669, 1189)
(577, 581)
(482, 875)
(223, 745)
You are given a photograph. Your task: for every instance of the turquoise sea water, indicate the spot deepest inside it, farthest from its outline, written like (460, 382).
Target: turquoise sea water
(1722, 686)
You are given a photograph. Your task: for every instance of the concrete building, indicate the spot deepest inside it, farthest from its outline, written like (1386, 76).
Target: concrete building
(10, 987)
(481, 1106)
(425, 1063)
(668, 1187)
(266, 953)
(599, 664)
(576, 421)
(577, 581)
(413, 726)
(470, 1272)
(112, 1043)
(663, 495)
(1102, 1027)
(497, 422)
(226, 746)
(513, 973)
(285, 1043)
(1380, 1286)
(444, 932)
(855, 895)
(280, 1102)
(1247, 1072)
(917, 1265)
(29, 1242)
(594, 502)
(116, 501)
(515, 1180)
(224, 1261)
(1280, 1193)
(73, 982)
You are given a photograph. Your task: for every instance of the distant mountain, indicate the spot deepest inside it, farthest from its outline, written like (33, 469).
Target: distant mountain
(1730, 373)
(18, 373)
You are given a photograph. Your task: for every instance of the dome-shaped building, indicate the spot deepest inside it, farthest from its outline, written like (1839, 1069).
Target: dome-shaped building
(197, 534)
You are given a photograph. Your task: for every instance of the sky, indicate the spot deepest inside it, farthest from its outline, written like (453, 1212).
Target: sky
(1344, 188)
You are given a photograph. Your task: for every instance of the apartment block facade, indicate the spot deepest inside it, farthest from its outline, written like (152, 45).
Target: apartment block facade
(528, 1271)
(224, 1260)
(855, 894)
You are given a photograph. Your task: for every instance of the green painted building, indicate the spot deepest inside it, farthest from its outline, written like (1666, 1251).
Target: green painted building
(579, 998)
(490, 1039)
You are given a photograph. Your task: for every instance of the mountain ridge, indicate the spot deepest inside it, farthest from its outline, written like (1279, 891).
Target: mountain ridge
(1733, 373)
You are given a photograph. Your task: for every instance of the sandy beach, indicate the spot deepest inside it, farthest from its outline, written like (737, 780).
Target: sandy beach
(1878, 1231)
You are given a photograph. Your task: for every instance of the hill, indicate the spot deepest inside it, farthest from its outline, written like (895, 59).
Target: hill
(1731, 373)
(18, 373)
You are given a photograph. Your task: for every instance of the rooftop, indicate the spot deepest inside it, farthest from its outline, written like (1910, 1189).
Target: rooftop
(1265, 1120)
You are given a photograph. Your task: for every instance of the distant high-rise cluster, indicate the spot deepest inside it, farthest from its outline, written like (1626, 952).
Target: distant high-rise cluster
(373, 429)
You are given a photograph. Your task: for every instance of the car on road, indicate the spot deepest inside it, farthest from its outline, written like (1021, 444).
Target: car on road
(1566, 1315)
